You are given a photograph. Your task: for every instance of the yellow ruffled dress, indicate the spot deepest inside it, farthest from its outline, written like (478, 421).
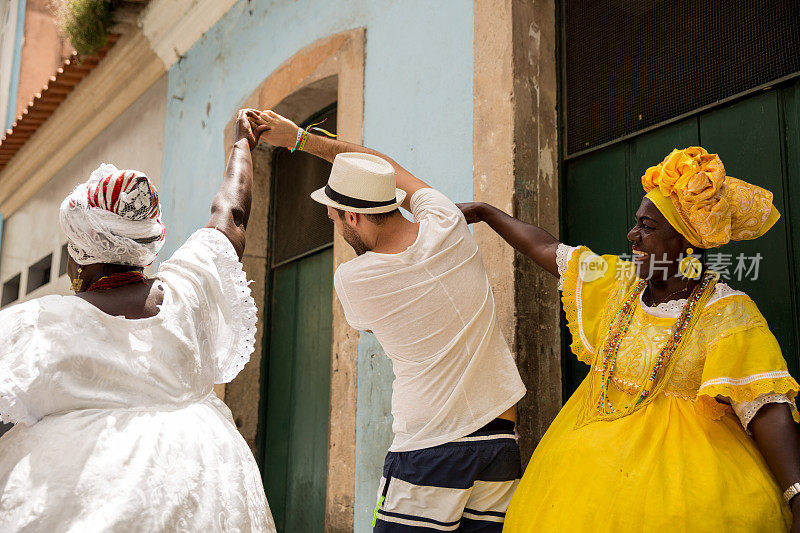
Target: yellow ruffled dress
(682, 462)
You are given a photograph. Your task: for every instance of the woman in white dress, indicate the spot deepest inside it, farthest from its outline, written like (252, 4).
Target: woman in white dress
(117, 425)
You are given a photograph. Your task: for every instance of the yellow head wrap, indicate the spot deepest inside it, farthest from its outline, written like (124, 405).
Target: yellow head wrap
(704, 205)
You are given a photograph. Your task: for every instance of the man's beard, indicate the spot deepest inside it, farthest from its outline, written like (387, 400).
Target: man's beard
(352, 238)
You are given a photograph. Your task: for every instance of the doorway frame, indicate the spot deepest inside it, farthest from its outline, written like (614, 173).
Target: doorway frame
(327, 71)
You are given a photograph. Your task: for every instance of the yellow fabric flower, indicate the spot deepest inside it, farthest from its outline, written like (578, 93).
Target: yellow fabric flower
(707, 207)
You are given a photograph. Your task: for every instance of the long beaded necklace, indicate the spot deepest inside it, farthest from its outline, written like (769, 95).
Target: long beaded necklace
(623, 320)
(117, 280)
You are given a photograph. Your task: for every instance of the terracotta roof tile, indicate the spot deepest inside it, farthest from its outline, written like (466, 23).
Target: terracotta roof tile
(45, 103)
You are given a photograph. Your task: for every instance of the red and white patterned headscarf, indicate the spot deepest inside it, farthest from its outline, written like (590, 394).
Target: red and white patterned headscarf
(113, 218)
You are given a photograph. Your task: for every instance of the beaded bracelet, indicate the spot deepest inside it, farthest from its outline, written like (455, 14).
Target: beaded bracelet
(297, 141)
(302, 136)
(303, 140)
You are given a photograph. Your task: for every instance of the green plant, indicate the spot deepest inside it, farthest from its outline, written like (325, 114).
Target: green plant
(84, 22)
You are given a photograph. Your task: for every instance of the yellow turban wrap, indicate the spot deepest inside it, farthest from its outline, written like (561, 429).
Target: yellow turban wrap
(704, 205)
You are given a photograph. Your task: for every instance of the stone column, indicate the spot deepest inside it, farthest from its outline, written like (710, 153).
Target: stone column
(516, 169)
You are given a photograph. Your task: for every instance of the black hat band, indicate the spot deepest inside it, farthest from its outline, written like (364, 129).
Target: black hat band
(349, 201)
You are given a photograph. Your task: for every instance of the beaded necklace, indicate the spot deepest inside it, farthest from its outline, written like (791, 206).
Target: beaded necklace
(117, 280)
(620, 325)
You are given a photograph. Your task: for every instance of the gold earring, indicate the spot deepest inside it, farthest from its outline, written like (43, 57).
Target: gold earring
(77, 282)
(690, 266)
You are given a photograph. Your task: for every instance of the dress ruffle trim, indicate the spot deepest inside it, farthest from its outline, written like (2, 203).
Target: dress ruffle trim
(244, 313)
(12, 410)
(707, 403)
(563, 255)
(569, 298)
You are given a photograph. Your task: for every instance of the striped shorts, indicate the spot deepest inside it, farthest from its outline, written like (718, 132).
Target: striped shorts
(463, 485)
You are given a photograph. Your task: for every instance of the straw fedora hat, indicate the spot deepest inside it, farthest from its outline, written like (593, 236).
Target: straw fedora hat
(360, 183)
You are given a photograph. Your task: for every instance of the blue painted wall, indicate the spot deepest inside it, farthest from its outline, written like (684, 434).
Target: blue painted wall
(373, 426)
(417, 109)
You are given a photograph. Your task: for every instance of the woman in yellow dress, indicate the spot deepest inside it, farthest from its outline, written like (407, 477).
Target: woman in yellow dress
(685, 421)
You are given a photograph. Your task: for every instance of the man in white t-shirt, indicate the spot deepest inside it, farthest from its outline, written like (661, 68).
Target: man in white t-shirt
(422, 289)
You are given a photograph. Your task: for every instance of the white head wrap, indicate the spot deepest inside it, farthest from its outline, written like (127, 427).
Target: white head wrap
(113, 218)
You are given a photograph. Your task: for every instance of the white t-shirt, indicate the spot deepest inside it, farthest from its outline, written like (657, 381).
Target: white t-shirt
(432, 309)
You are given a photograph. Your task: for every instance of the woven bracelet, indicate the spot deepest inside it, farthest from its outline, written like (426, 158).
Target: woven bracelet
(297, 141)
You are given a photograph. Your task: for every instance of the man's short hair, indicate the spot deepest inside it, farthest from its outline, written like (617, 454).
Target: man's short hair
(375, 218)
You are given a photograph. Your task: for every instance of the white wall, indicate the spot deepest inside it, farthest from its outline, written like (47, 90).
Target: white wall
(134, 140)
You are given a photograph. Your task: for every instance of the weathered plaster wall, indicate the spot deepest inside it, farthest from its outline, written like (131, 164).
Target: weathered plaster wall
(374, 422)
(134, 140)
(493, 147)
(537, 300)
(515, 151)
(417, 108)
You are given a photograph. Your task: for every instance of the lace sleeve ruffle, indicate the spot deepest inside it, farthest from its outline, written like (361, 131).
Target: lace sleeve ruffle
(746, 390)
(563, 254)
(242, 312)
(569, 283)
(210, 258)
(747, 410)
(743, 359)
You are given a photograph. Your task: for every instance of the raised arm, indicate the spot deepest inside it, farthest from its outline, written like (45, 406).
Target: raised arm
(283, 132)
(529, 240)
(230, 209)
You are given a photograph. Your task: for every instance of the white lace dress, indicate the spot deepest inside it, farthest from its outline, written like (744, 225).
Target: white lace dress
(118, 428)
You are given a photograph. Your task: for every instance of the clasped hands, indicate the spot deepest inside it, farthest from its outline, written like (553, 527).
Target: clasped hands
(252, 125)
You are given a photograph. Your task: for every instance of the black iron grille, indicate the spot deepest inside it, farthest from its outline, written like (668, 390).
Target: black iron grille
(631, 64)
(300, 224)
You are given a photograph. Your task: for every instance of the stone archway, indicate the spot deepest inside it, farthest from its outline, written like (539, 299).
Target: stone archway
(327, 71)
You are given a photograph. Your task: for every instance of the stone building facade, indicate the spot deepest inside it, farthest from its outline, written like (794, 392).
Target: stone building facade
(461, 93)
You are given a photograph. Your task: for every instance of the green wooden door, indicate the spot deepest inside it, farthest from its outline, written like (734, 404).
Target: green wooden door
(758, 140)
(298, 390)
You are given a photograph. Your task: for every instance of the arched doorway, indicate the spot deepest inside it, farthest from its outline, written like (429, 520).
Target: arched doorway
(328, 71)
(297, 364)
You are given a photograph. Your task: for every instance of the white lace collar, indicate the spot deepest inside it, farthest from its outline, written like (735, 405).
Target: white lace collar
(673, 308)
